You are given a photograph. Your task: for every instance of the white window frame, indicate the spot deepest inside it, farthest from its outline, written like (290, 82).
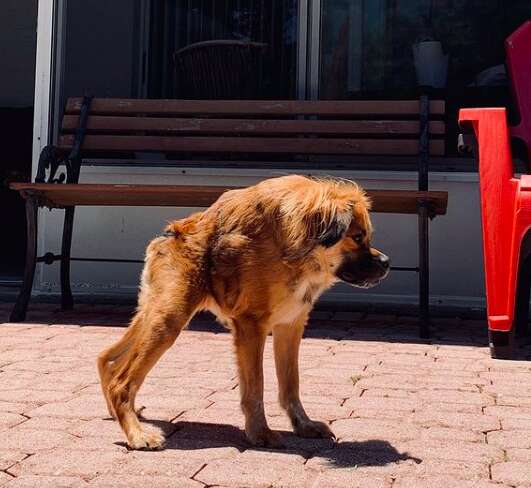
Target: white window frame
(43, 79)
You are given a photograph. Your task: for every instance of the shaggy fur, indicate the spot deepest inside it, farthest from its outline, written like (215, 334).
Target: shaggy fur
(258, 259)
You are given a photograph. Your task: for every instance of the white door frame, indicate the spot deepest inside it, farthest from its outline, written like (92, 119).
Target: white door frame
(43, 79)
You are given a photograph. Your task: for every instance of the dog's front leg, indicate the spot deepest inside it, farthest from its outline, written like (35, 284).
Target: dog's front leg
(249, 339)
(286, 340)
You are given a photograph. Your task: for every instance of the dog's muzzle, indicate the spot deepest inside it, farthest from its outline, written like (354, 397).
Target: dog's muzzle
(366, 271)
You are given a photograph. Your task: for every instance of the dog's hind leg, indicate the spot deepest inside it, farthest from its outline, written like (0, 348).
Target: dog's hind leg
(157, 333)
(109, 360)
(286, 342)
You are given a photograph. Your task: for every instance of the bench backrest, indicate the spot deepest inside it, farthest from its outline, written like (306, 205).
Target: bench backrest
(247, 132)
(265, 127)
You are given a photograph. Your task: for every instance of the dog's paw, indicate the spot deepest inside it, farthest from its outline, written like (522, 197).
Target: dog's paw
(266, 438)
(143, 440)
(314, 430)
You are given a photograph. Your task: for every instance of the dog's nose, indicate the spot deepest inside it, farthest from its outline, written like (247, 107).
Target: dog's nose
(384, 261)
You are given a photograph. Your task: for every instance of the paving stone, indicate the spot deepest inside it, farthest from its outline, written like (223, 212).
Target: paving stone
(451, 468)
(390, 393)
(456, 397)
(14, 355)
(518, 454)
(442, 481)
(377, 458)
(50, 423)
(520, 439)
(178, 459)
(477, 423)
(512, 473)
(67, 462)
(139, 481)
(258, 469)
(8, 420)
(368, 429)
(18, 408)
(447, 434)
(96, 444)
(47, 482)
(452, 451)
(503, 412)
(83, 406)
(340, 478)
(513, 400)
(382, 403)
(34, 396)
(376, 413)
(450, 408)
(4, 478)
(507, 377)
(44, 366)
(31, 441)
(9, 457)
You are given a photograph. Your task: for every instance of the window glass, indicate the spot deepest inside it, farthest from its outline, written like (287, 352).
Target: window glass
(374, 49)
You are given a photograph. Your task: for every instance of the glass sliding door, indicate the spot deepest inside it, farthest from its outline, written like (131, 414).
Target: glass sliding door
(223, 48)
(391, 49)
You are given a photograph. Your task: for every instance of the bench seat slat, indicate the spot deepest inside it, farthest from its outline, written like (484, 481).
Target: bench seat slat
(123, 125)
(386, 201)
(255, 107)
(259, 145)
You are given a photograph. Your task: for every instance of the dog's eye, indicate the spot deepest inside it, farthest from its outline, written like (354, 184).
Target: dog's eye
(358, 238)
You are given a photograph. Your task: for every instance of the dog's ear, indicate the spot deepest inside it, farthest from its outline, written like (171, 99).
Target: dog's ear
(315, 213)
(324, 226)
(335, 229)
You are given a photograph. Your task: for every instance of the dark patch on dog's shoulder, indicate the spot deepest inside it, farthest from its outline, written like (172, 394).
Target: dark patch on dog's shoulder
(314, 266)
(293, 281)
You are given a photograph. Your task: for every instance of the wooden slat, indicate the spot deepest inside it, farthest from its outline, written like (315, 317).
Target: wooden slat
(253, 107)
(115, 124)
(386, 201)
(270, 145)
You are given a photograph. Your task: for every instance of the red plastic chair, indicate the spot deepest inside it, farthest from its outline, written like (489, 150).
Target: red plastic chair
(505, 202)
(518, 50)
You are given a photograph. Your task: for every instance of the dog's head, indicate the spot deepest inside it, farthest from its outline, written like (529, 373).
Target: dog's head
(329, 220)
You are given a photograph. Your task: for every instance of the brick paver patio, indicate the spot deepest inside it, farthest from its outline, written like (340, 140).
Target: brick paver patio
(407, 413)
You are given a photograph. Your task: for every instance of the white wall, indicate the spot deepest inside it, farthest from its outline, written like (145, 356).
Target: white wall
(18, 35)
(456, 252)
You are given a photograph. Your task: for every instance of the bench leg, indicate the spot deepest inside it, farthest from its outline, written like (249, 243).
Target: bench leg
(18, 314)
(67, 301)
(424, 273)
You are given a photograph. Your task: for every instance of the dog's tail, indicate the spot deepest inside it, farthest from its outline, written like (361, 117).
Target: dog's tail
(185, 226)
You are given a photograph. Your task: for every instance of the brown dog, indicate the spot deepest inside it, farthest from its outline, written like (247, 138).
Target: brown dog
(258, 259)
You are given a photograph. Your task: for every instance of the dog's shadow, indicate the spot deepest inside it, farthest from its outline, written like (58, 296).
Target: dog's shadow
(198, 435)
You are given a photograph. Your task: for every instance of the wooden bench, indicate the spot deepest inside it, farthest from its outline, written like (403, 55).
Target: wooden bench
(300, 135)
